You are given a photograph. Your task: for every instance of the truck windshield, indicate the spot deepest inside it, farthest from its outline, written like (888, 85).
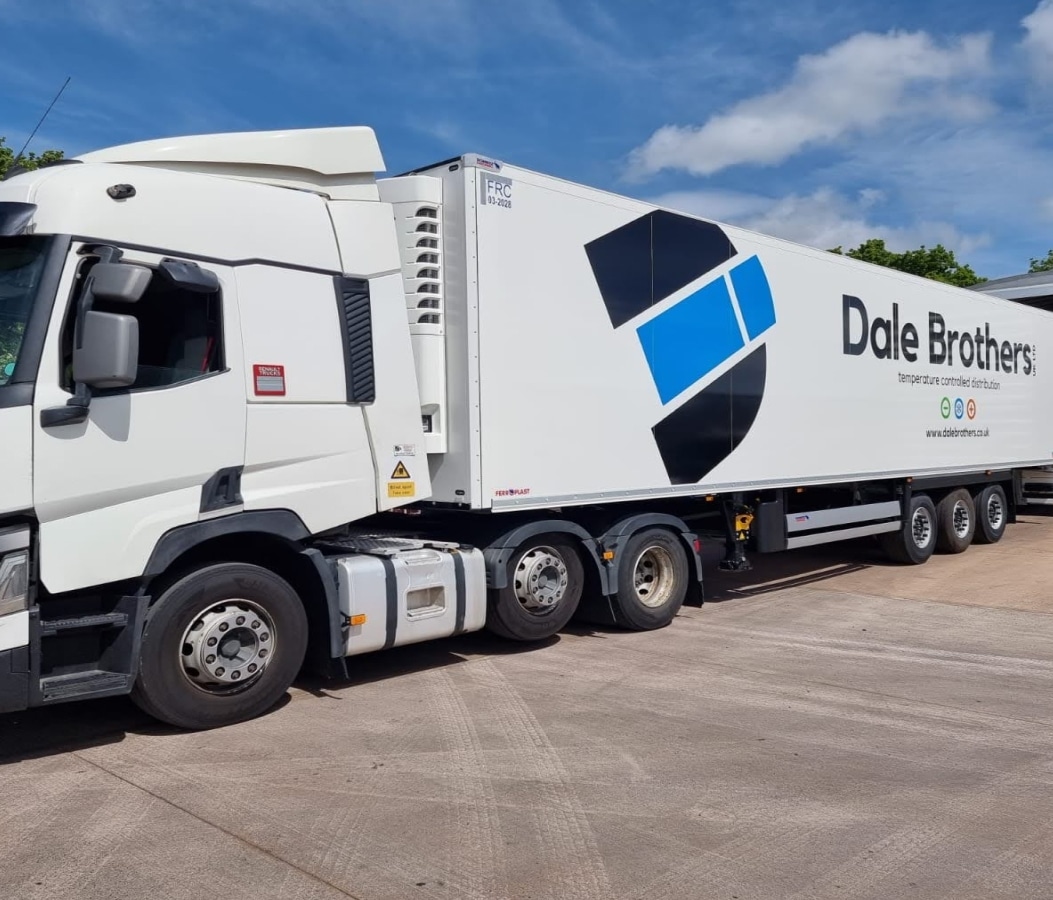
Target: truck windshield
(22, 262)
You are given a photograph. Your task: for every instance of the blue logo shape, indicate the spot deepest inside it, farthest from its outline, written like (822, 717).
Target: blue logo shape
(959, 408)
(689, 340)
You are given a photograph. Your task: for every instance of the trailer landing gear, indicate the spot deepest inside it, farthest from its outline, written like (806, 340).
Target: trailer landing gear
(737, 520)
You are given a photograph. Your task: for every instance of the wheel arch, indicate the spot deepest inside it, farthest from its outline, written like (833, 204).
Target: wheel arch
(498, 553)
(273, 540)
(616, 537)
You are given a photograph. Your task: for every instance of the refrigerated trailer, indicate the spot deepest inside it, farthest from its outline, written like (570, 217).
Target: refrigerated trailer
(1034, 289)
(261, 409)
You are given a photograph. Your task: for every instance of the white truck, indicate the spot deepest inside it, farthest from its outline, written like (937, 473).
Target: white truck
(261, 410)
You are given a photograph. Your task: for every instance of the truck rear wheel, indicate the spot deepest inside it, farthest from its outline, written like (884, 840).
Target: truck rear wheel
(652, 580)
(992, 514)
(955, 522)
(221, 645)
(915, 541)
(545, 581)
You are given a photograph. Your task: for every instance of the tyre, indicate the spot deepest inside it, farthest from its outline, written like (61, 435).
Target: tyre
(221, 645)
(545, 581)
(653, 576)
(992, 514)
(915, 541)
(955, 522)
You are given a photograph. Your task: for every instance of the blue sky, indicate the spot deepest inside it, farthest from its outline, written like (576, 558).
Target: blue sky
(822, 122)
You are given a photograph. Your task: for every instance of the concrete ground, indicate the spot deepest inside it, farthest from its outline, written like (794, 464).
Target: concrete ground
(829, 727)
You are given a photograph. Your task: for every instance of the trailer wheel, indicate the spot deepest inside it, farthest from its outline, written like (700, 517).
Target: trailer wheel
(545, 581)
(653, 578)
(915, 541)
(221, 645)
(956, 522)
(992, 514)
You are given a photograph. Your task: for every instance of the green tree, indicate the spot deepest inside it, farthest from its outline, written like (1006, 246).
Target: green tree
(937, 263)
(1042, 265)
(29, 161)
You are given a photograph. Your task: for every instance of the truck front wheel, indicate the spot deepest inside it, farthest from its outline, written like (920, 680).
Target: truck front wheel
(221, 645)
(545, 581)
(915, 540)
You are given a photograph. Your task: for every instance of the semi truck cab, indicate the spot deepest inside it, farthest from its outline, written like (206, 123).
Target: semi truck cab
(201, 341)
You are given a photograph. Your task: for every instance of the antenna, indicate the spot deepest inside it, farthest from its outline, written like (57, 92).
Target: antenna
(14, 162)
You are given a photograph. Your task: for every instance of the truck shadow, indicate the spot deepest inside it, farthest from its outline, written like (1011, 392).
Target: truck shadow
(68, 728)
(789, 569)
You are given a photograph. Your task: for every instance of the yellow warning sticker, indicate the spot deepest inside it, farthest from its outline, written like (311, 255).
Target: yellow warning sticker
(401, 471)
(401, 489)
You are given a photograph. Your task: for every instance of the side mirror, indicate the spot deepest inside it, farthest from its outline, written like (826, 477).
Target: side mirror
(119, 283)
(109, 352)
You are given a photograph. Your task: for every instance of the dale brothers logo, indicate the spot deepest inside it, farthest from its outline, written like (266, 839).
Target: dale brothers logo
(894, 338)
(708, 406)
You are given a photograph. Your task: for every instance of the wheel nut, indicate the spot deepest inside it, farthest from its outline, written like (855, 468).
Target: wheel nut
(263, 653)
(211, 642)
(252, 667)
(256, 623)
(265, 636)
(220, 670)
(210, 659)
(241, 620)
(223, 626)
(235, 675)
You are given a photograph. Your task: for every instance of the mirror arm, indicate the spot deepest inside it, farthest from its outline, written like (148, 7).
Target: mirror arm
(76, 408)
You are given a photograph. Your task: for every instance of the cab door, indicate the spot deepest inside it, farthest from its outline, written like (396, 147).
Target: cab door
(106, 489)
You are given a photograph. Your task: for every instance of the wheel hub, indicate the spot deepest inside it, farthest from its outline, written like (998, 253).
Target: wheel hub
(995, 512)
(654, 577)
(541, 579)
(227, 646)
(960, 519)
(921, 527)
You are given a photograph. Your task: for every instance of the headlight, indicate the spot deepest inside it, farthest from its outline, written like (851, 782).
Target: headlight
(14, 582)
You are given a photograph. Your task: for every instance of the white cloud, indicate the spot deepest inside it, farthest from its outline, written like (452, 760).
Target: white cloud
(824, 219)
(1039, 39)
(851, 88)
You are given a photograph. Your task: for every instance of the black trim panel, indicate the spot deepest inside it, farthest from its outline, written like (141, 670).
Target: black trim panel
(462, 596)
(391, 593)
(222, 490)
(353, 304)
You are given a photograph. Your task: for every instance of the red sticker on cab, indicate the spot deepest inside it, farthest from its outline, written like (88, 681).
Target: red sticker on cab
(269, 381)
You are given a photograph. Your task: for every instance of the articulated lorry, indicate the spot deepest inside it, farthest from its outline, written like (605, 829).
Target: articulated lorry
(261, 410)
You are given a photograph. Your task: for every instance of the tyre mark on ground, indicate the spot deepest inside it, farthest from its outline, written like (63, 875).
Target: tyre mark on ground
(568, 851)
(476, 849)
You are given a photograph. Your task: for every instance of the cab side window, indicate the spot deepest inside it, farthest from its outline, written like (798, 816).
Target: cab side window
(180, 335)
